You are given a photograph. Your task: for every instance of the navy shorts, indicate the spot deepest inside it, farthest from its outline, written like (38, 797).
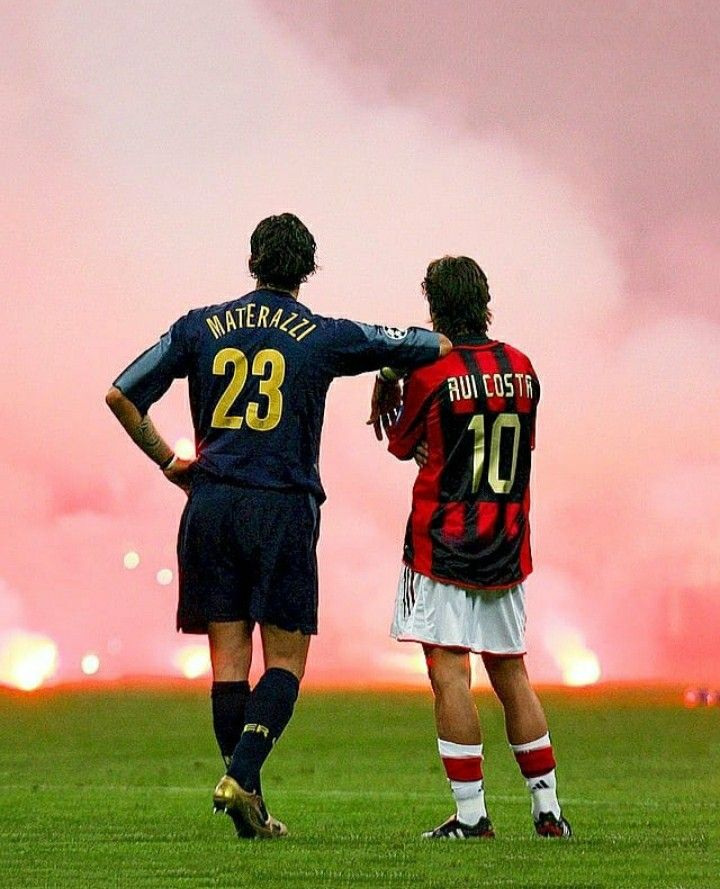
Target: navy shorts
(248, 554)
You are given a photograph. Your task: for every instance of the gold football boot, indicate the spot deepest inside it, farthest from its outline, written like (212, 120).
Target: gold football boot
(247, 810)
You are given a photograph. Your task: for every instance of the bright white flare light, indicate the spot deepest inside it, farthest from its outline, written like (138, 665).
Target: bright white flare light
(193, 661)
(185, 449)
(26, 659)
(90, 664)
(164, 576)
(131, 560)
(583, 669)
(579, 665)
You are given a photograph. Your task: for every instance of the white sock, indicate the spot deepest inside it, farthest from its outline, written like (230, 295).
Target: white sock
(543, 788)
(460, 760)
(543, 792)
(469, 799)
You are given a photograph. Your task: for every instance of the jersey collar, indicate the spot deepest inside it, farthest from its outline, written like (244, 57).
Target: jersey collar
(473, 341)
(277, 291)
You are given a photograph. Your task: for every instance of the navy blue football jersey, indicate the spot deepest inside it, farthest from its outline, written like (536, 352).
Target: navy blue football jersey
(259, 368)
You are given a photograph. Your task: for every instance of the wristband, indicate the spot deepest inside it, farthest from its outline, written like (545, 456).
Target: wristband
(388, 375)
(166, 464)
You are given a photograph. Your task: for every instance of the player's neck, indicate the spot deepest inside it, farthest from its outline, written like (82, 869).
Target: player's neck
(261, 285)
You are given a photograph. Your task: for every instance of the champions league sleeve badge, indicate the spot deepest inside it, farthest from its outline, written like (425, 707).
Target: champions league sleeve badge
(395, 333)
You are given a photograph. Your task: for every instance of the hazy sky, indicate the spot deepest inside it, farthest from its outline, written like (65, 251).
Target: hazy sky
(572, 152)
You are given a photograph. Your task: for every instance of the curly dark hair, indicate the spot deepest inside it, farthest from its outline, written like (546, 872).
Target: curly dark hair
(282, 252)
(458, 295)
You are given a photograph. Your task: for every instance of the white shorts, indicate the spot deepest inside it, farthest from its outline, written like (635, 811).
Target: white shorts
(482, 621)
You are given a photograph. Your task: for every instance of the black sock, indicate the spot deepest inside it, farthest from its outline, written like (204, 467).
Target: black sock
(266, 715)
(229, 700)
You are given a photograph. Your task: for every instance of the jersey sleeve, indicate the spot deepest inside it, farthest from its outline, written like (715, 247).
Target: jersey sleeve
(149, 376)
(408, 431)
(354, 348)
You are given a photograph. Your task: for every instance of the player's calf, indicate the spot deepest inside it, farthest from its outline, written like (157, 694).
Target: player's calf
(229, 700)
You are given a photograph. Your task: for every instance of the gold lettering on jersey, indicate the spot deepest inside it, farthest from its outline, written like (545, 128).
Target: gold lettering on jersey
(252, 315)
(303, 323)
(288, 321)
(306, 333)
(215, 325)
(493, 386)
(245, 316)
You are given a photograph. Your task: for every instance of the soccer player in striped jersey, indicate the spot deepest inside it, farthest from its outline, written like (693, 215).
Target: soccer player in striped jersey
(469, 420)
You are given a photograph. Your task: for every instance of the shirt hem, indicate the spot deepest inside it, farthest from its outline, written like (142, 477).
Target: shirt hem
(464, 584)
(458, 647)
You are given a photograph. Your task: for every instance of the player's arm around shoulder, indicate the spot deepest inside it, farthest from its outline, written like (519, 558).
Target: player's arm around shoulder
(354, 347)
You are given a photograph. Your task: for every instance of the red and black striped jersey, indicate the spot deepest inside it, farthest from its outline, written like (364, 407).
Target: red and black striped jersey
(476, 409)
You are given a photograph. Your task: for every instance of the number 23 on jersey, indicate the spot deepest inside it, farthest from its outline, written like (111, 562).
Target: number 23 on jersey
(269, 366)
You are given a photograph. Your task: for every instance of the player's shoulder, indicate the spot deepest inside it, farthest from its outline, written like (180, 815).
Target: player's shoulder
(340, 332)
(517, 357)
(431, 376)
(510, 349)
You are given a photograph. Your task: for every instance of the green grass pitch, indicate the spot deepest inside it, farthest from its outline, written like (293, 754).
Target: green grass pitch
(113, 789)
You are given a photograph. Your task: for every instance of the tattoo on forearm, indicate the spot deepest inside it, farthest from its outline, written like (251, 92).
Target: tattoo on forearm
(148, 439)
(147, 433)
(139, 427)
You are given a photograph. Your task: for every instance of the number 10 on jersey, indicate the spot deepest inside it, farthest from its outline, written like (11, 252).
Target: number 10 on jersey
(480, 450)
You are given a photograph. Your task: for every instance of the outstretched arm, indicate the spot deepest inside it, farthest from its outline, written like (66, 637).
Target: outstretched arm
(142, 431)
(352, 347)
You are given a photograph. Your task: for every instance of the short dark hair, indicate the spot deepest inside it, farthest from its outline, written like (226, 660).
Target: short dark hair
(282, 252)
(458, 295)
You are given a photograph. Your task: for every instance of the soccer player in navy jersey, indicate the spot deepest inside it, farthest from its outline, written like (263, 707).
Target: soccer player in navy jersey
(258, 368)
(469, 420)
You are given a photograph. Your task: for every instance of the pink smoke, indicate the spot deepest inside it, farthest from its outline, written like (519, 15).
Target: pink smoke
(571, 152)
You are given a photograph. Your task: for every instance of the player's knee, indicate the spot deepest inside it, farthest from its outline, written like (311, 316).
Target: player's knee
(285, 649)
(445, 675)
(230, 666)
(296, 666)
(507, 675)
